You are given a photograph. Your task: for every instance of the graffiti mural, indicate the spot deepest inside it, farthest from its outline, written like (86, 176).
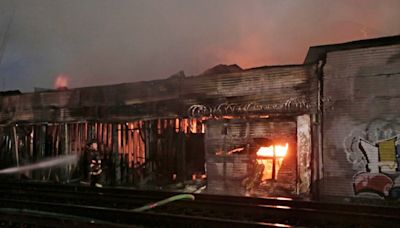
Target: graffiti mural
(375, 155)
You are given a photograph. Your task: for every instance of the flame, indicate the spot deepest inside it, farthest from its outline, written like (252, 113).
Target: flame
(266, 151)
(280, 151)
(61, 81)
(267, 154)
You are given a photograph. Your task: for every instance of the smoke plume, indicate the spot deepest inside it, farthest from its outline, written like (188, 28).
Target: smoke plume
(105, 42)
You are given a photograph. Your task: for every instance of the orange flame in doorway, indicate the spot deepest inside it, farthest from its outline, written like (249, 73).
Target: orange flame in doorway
(280, 151)
(271, 158)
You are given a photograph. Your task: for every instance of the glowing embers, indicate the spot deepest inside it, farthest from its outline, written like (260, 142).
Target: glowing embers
(271, 158)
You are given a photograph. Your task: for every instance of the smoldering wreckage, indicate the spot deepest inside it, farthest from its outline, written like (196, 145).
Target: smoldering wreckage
(291, 130)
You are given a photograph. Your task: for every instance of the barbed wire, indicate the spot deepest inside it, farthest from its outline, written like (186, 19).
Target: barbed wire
(292, 104)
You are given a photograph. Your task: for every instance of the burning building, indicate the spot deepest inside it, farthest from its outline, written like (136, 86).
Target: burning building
(291, 130)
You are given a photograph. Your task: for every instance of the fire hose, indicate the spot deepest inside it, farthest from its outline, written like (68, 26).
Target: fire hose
(164, 201)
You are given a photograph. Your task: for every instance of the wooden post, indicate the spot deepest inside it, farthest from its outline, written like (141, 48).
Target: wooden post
(273, 163)
(225, 135)
(116, 171)
(66, 140)
(147, 145)
(15, 146)
(42, 146)
(90, 131)
(66, 169)
(182, 143)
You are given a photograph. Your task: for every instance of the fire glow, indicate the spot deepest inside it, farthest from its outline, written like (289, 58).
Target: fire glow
(278, 150)
(61, 81)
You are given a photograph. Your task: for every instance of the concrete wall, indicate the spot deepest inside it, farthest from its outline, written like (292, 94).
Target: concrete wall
(361, 122)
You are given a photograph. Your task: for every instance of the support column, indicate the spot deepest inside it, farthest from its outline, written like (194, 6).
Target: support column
(304, 151)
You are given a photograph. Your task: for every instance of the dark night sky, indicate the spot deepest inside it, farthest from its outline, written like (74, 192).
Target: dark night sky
(97, 42)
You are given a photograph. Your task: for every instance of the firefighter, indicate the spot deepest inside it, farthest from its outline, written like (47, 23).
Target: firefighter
(95, 166)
